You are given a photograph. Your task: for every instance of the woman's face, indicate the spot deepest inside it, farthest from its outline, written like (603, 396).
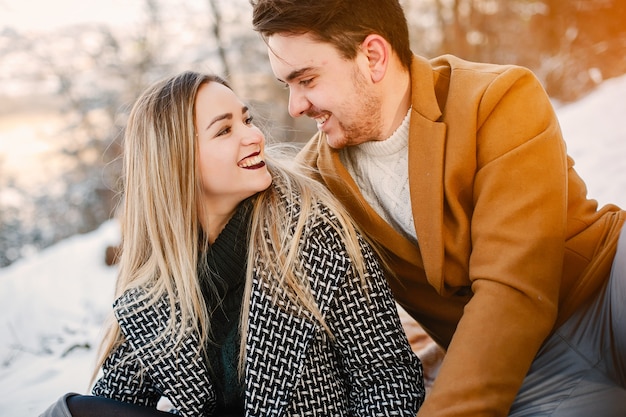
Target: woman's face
(230, 149)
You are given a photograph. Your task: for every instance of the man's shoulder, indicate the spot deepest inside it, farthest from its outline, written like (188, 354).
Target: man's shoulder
(452, 78)
(451, 64)
(451, 69)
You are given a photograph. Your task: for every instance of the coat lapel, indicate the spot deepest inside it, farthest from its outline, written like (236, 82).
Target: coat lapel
(277, 341)
(426, 170)
(279, 334)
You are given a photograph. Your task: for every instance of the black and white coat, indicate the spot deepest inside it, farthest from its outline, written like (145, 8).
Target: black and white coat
(293, 368)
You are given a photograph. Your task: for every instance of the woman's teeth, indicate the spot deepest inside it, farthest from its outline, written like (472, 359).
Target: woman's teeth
(251, 162)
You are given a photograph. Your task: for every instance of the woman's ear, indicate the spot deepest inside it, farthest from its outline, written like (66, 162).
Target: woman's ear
(377, 50)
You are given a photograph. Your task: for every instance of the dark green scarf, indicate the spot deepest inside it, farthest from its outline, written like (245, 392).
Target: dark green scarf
(223, 268)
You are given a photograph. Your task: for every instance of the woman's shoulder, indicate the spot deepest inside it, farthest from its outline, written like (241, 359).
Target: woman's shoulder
(300, 189)
(132, 299)
(137, 310)
(309, 203)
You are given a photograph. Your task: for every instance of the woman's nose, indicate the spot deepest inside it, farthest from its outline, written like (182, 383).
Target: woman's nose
(253, 135)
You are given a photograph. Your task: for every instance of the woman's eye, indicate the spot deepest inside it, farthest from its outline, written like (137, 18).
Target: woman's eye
(248, 120)
(224, 131)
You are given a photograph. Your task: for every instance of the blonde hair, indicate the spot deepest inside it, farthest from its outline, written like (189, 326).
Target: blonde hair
(160, 224)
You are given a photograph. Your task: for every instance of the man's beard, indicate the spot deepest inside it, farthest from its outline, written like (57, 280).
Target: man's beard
(365, 122)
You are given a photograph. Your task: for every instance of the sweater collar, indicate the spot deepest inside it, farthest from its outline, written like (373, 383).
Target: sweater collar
(395, 143)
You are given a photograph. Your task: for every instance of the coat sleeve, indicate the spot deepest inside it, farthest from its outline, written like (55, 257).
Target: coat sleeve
(383, 376)
(121, 380)
(147, 366)
(518, 222)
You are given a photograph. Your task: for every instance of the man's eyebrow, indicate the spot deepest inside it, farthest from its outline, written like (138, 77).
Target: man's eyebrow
(297, 73)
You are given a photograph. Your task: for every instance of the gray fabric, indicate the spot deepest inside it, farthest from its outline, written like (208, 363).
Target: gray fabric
(59, 407)
(581, 369)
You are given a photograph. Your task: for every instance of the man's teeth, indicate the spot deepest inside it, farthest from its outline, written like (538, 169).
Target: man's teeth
(322, 119)
(248, 162)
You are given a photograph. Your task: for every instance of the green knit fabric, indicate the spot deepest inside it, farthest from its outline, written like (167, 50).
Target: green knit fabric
(222, 276)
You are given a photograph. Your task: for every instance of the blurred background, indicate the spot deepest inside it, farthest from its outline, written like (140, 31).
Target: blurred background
(70, 70)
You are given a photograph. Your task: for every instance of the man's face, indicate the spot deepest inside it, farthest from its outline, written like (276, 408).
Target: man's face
(337, 93)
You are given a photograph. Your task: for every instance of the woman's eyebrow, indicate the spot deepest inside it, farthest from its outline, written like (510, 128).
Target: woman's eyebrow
(226, 116)
(216, 119)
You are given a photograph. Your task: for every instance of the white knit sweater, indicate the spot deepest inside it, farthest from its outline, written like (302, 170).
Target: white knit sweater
(380, 169)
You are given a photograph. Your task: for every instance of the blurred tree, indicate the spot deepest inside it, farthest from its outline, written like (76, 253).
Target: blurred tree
(14, 230)
(98, 72)
(217, 33)
(570, 45)
(584, 44)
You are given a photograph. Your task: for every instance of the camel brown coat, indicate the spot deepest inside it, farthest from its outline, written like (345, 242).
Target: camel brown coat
(509, 244)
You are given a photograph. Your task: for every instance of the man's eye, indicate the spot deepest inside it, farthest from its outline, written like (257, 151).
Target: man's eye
(306, 82)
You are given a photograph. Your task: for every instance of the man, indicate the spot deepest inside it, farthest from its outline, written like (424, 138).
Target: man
(458, 171)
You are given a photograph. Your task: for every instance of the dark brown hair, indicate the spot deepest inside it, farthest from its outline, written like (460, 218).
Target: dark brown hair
(342, 23)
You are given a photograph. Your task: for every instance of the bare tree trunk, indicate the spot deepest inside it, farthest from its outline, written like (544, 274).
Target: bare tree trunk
(217, 33)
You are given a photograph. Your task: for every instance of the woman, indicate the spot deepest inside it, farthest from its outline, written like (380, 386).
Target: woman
(244, 288)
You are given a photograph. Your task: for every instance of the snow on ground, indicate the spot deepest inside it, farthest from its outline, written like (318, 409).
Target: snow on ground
(52, 308)
(53, 303)
(595, 131)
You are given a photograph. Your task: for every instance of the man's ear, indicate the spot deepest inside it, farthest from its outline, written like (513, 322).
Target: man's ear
(377, 50)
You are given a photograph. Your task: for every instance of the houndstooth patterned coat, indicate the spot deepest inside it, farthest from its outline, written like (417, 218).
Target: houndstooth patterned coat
(293, 368)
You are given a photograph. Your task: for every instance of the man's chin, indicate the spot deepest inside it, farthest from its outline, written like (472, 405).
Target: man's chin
(335, 141)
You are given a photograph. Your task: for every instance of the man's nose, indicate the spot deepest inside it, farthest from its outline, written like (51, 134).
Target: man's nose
(298, 104)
